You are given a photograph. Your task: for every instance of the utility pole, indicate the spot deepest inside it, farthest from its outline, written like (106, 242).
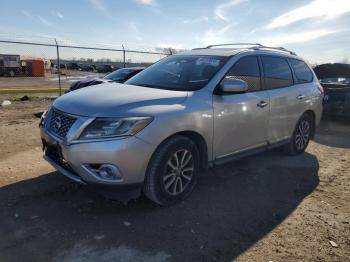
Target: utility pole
(123, 56)
(58, 67)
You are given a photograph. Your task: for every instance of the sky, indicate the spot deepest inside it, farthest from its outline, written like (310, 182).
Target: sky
(317, 30)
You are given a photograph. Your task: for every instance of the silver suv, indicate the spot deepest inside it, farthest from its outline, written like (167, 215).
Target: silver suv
(193, 110)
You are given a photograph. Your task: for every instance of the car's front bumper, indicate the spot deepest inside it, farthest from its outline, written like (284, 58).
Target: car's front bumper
(130, 155)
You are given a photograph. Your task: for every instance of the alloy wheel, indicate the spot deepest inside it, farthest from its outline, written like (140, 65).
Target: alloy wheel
(179, 172)
(302, 135)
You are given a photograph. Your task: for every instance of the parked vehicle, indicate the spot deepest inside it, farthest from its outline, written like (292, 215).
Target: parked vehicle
(72, 66)
(87, 68)
(119, 76)
(62, 69)
(10, 65)
(193, 110)
(335, 79)
(105, 68)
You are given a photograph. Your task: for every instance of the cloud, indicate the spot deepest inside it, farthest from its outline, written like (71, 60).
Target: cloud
(37, 18)
(27, 14)
(214, 36)
(146, 2)
(196, 20)
(59, 15)
(135, 31)
(45, 21)
(316, 8)
(99, 5)
(221, 10)
(302, 37)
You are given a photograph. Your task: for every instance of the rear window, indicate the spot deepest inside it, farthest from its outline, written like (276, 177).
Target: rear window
(336, 80)
(302, 72)
(119, 75)
(277, 72)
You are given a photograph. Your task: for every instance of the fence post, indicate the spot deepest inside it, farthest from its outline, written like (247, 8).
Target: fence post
(58, 68)
(123, 56)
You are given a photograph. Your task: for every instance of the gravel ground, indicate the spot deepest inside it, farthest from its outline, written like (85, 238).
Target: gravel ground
(268, 207)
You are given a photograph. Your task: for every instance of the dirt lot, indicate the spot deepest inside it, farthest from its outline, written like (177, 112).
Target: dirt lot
(269, 207)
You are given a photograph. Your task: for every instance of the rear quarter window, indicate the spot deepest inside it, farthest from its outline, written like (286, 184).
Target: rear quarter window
(302, 72)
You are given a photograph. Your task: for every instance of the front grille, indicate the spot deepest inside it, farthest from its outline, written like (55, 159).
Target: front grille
(60, 123)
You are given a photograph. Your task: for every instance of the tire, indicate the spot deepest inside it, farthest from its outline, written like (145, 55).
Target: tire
(301, 136)
(12, 73)
(162, 182)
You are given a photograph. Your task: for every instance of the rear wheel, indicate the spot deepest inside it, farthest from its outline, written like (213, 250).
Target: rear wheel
(301, 136)
(173, 171)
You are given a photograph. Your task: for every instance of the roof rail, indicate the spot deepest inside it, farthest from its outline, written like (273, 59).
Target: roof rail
(254, 46)
(276, 48)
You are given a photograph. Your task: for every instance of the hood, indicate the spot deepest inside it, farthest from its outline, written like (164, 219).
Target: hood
(113, 99)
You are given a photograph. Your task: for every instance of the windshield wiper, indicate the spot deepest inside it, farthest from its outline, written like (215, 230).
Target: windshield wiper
(144, 85)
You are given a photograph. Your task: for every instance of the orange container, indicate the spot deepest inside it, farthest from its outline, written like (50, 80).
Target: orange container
(38, 68)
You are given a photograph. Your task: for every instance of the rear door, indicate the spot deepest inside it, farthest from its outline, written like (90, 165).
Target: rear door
(241, 120)
(304, 81)
(284, 105)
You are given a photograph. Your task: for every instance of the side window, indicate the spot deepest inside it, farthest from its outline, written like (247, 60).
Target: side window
(301, 71)
(277, 72)
(246, 69)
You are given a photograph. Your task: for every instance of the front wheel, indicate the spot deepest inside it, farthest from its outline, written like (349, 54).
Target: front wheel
(173, 171)
(301, 136)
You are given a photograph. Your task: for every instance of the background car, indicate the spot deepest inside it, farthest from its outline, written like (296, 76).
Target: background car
(106, 68)
(87, 68)
(335, 79)
(119, 76)
(72, 66)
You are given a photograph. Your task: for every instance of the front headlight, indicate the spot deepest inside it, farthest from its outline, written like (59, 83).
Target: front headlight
(111, 127)
(42, 119)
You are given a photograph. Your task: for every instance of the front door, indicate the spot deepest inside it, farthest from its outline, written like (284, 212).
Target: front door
(241, 120)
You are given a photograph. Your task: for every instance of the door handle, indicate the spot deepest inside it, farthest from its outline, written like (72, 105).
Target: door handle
(262, 104)
(300, 97)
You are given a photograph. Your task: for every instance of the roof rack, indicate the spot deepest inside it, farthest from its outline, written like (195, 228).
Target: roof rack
(280, 48)
(255, 46)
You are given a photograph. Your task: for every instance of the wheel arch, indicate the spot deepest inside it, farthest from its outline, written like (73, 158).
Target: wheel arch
(200, 142)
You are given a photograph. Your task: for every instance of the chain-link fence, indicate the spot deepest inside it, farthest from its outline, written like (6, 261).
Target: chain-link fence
(50, 66)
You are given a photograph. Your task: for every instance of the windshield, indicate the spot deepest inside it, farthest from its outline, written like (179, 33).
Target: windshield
(118, 75)
(179, 72)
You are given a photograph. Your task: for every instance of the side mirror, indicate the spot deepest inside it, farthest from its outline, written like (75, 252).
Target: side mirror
(234, 86)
